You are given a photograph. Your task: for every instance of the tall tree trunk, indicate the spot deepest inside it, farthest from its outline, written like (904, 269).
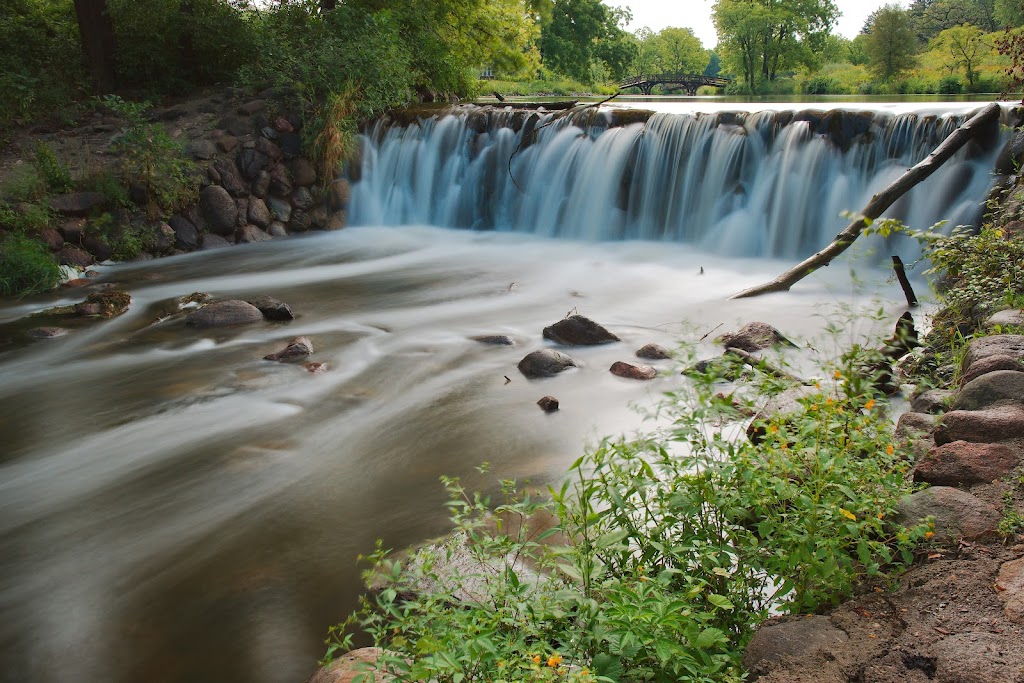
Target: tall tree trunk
(98, 42)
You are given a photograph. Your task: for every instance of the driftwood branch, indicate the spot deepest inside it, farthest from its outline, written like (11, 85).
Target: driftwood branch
(879, 203)
(901, 276)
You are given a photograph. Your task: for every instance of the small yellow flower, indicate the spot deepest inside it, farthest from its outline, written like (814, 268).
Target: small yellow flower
(846, 513)
(773, 429)
(554, 660)
(870, 404)
(929, 534)
(881, 515)
(536, 659)
(838, 375)
(890, 449)
(828, 401)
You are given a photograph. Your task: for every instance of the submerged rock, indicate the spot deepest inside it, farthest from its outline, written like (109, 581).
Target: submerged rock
(297, 349)
(545, 363)
(630, 371)
(577, 330)
(272, 309)
(47, 332)
(495, 339)
(653, 352)
(753, 337)
(548, 404)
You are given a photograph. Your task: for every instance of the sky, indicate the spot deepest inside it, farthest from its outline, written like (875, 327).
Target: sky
(696, 14)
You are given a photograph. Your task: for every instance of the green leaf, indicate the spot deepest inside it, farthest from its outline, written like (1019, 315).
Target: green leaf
(608, 666)
(710, 637)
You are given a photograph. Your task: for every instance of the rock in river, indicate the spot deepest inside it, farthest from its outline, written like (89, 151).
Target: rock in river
(545, 363)
(297, 349)
(224, 314)
(577, 330)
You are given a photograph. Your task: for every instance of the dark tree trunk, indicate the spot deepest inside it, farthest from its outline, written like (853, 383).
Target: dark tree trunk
(98, 42)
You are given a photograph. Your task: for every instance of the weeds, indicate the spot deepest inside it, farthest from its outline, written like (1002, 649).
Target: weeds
(26, 266)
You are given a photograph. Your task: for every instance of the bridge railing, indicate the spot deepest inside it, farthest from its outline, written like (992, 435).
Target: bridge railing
(653, 79)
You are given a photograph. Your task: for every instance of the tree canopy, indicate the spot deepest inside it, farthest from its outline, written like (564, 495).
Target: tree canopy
(892, 43)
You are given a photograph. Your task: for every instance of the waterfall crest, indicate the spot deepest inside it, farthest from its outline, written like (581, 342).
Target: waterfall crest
(768, 183)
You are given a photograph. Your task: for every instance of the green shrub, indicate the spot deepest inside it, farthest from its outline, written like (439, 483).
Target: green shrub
(950, 85)
(822, 85)
(674, 547)
(54, 174)
(26, 266)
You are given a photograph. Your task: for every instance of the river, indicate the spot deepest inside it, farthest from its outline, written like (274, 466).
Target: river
(173, 508)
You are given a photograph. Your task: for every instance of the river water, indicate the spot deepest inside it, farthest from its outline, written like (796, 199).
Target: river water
(173, 508)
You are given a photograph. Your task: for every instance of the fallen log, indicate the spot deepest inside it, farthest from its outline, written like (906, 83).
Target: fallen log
(879, 203)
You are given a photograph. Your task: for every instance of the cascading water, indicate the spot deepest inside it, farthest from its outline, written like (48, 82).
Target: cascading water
(769, 183)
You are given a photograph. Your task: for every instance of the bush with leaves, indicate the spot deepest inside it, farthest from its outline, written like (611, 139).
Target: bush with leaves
(26, 266)
(674, 547)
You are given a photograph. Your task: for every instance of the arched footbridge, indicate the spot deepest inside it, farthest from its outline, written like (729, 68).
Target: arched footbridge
(690, 82)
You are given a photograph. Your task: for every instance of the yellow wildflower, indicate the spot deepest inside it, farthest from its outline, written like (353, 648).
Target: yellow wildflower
(554, 660)
(929, 534)
(838, 375)
(847, 514)
(870, 404)
(536, 659)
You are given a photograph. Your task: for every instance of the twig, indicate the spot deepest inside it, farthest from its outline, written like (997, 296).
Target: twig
(901, 275)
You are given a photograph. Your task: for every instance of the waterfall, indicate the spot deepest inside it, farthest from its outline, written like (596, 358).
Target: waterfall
(768, 183)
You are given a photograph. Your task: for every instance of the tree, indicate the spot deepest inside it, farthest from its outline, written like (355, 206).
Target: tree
(761, 37)
(99, 43)
(965, 46)
(892, 43)
(932, 17)
(581, 31)
(1009, 13)
(645, 59)
(680, 51)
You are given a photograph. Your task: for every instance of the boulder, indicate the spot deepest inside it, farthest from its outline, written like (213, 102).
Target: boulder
(261, 185)
(336, 221)
(303, 173)
(302, 199)
(297, 349)
(915, 425)
(70, 255)
(106, 304)
(97, 246)
(545, 363)
(338, 194)
(992, 345)
(1010, 317)
(252, 107)
(1010, 588)
(210, 241)
(46, 332)
(164, 238)
(235, 126)
(272, 309)
(962, 463)
(202, 150)
(291, 144)
(958, 514)
(630, 371)
(577, 330)
(280, 182)
(250, 234)
(653, 352)
(229, 178)
(280, 209)
(975, 656)
(301, 221)
(277, 229)
(989, 364)
(219, 209)
(268, 148)
(753, 337)
(224, 314)
(348, 667)
(933, 401)
(186, 235)
(73, 230)
(797, 637)
(51, 238)
(998, 423)
(548, 404)
(227, 143)
(258, 213)
(495, 339)
(251, 162)
(78, 203)
(992, 388)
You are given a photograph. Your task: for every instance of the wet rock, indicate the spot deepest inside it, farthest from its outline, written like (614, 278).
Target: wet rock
(78, 203)
(252, 107)
(315, 368)
(545, 363)
(219, 210)
(224, 314)
(107, 304)
(1011, 317)
(272, 309)
(630, 371)
(989, 364)
(336, 221)
(164, 238)
(203, 150)
(998, 423)
(357, 664)
(280, 209)
(186, 235)
(235, 126)
(495, 339)
(958, 514)
(97, 246)
(277, 229)
(962, 463)
(210, 241)
(1010, 588)
(73, 230)
(250, 234)
(51, 238)
(261, 185)
(915, 425)
(47, 332)
(280, 182)
(990, 389)
(301, 221)
(297, 349)
(227, 143)
(267, 147)
(753, 337)
(933, 401)
(577, 330)
(653, 352)
(258, 213)
(303, 173)
(319, 216)
(70, 255)
(797, 637)
(338, 194)
(548, 404)
(251, 162)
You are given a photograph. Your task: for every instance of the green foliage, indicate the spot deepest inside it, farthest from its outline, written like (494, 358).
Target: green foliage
(671, 548)
(950, 85)
(823, 85)
(965, 46)
(25, 266)
(892, 44)
(1009, 13)
(581, 31)
(54, 174)
(1012, 522)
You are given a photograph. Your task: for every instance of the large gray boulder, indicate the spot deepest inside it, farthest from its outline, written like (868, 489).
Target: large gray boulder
(962, 463)
(219, 210)
(992, 388)
(577, 330)
(753, 337)
(992, 345)
(797, 637)
(997, 423)
(545, 363)
(958, 514)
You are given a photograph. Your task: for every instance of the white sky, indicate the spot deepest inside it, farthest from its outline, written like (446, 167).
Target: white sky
(696, 14)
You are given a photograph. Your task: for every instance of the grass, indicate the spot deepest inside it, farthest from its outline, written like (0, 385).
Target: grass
(26, 266)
